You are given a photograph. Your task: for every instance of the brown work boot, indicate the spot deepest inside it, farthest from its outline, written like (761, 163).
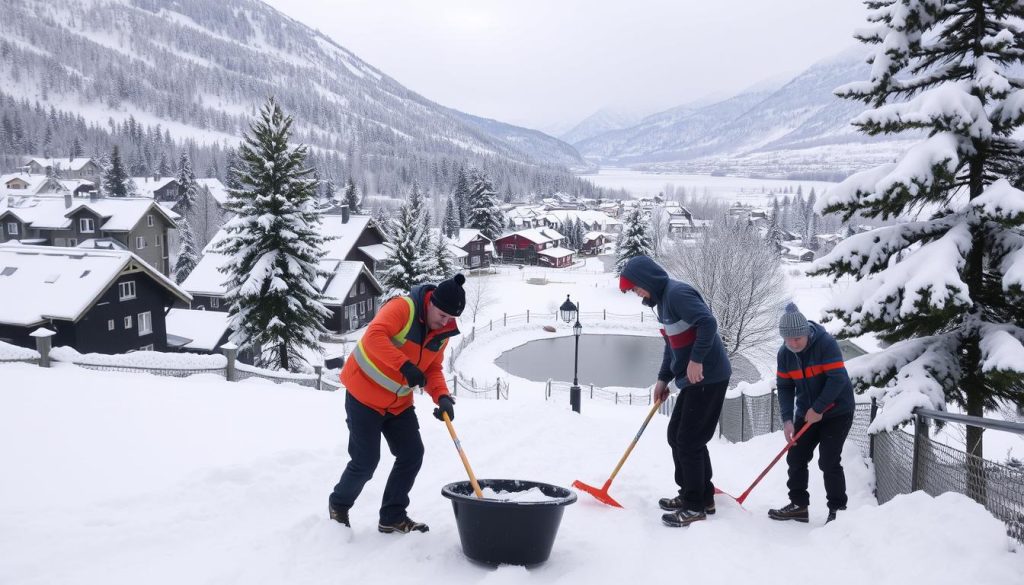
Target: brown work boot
(403, 526)
(789, 512)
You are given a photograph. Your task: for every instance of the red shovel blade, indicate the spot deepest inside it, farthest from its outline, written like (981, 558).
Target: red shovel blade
(601, 495)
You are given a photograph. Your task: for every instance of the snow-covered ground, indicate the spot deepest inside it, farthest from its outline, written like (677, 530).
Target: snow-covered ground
(746, 190)
(127, 478)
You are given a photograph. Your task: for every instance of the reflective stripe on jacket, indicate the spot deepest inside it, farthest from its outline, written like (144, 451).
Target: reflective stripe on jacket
(397, 334)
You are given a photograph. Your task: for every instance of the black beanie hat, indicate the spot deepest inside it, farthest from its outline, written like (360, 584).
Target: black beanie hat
(449, 295)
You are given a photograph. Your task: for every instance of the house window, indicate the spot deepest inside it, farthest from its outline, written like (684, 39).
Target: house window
(145, 323)
(362, 307)
(159, 241)
(126, 290)
(140, 242)
(60, 242)
(128, 322)
(362, 288)
(474, 261)
(72, 242)
(214, 303)
(12, 228)
(149, 347)
(86, 225)
(110, 324)
(352, 293)
(510, 246)
(149, 220)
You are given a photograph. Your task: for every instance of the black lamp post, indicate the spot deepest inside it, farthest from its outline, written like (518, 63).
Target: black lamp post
(570, 312)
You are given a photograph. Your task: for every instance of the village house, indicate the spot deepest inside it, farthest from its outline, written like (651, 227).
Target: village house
(476, 248)
(102, 301)
(351, 253)
(66, 168)
(540, 246)
(138, 225)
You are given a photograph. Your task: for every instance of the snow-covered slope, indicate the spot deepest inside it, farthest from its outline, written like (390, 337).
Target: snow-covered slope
(765, 130)
(600, 122)
(200, 68)
(127, 478)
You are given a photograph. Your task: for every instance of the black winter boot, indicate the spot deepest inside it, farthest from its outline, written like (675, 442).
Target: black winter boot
(676, 503)
(340, 516)
(683, 517)
(832, 514)
(789, 512)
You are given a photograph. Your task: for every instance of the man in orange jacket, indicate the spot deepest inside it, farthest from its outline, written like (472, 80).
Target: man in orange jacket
(402, 349)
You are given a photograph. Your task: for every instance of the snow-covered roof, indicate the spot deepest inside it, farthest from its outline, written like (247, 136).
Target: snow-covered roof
(550, 233)
(45, 282)
(204, 328)
(466, 235)
(345, 278)
(456, 251)
(33, 184)
(148, 186)
(557, 252)
(118, 214)
(217, 190)
(532, 234)
(74, 184)
(101, 244)
(74, 164)
(207, 279)
(591, 236)
(589, 217)
(377, 252)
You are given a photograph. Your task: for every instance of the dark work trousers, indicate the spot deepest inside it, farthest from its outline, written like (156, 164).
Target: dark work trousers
(690, 428)
(402, 432)
(828, 435)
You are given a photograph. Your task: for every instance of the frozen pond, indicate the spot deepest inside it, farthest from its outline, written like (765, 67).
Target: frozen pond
(605, 360)
(754, 191)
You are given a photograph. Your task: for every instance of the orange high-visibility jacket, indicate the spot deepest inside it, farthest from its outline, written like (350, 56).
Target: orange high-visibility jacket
(398, 333)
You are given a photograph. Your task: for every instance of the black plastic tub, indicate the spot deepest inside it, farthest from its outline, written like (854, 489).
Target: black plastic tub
(499, 532)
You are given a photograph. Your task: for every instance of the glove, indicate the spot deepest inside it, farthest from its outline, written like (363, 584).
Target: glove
(413, 375)
(445, 404)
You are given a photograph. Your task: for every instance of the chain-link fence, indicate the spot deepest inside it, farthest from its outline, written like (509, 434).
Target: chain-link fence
(903, 462)
(555, 390)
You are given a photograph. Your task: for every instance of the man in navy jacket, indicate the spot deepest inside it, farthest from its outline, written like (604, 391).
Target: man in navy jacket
(696, 360)
(813, 377)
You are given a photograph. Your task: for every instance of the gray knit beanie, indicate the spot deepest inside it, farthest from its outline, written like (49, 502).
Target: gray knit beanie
(793, 323)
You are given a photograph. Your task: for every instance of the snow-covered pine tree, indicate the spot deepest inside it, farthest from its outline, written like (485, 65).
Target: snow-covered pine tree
(800, 217)
(188, 252)
(485, 213)
(351, 196)
(188, 189)
(578, 234)
(115, 177)
(461, 196)
(231, 170)
(635, 239)
(450, 224)
(948, 287)
(773, 237)
(275, 245)
(412, 259)
(447, 265)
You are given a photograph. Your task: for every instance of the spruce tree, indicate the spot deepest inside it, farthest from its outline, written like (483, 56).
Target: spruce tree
(635, 239)
(773, 237)
(275, 245)
(461, 197)
(412, 259)
(947, 289)
(188, 189)
(351, 196)
(485, 213)
(447, 266)
(188, 253)
(577, 234)
(450, 224)
(115, 177)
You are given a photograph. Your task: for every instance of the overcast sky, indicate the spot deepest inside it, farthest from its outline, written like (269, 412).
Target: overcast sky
(547, 64)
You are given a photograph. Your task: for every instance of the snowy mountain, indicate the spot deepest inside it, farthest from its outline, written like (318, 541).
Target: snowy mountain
(600, 122)
(200, 69)
(769, 127)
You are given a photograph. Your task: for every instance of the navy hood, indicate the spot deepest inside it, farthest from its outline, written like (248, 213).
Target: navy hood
(648, 275)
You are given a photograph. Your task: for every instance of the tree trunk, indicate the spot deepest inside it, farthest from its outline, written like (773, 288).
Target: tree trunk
(283, 349)
(973, 383)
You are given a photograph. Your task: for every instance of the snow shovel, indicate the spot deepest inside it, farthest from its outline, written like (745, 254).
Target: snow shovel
(462, 455)
(788, 446)
(602, 494)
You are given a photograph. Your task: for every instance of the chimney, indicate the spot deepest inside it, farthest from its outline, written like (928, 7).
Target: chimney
(344, 214)
(67, 200)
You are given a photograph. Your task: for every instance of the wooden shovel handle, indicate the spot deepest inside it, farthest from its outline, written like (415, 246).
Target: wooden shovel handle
(465, 461)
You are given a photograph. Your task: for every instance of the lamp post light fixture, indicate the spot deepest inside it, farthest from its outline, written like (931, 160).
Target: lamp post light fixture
(570, 312)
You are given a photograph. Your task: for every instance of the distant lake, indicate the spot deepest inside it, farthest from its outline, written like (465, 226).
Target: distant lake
(644, 184)
(605, 360)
